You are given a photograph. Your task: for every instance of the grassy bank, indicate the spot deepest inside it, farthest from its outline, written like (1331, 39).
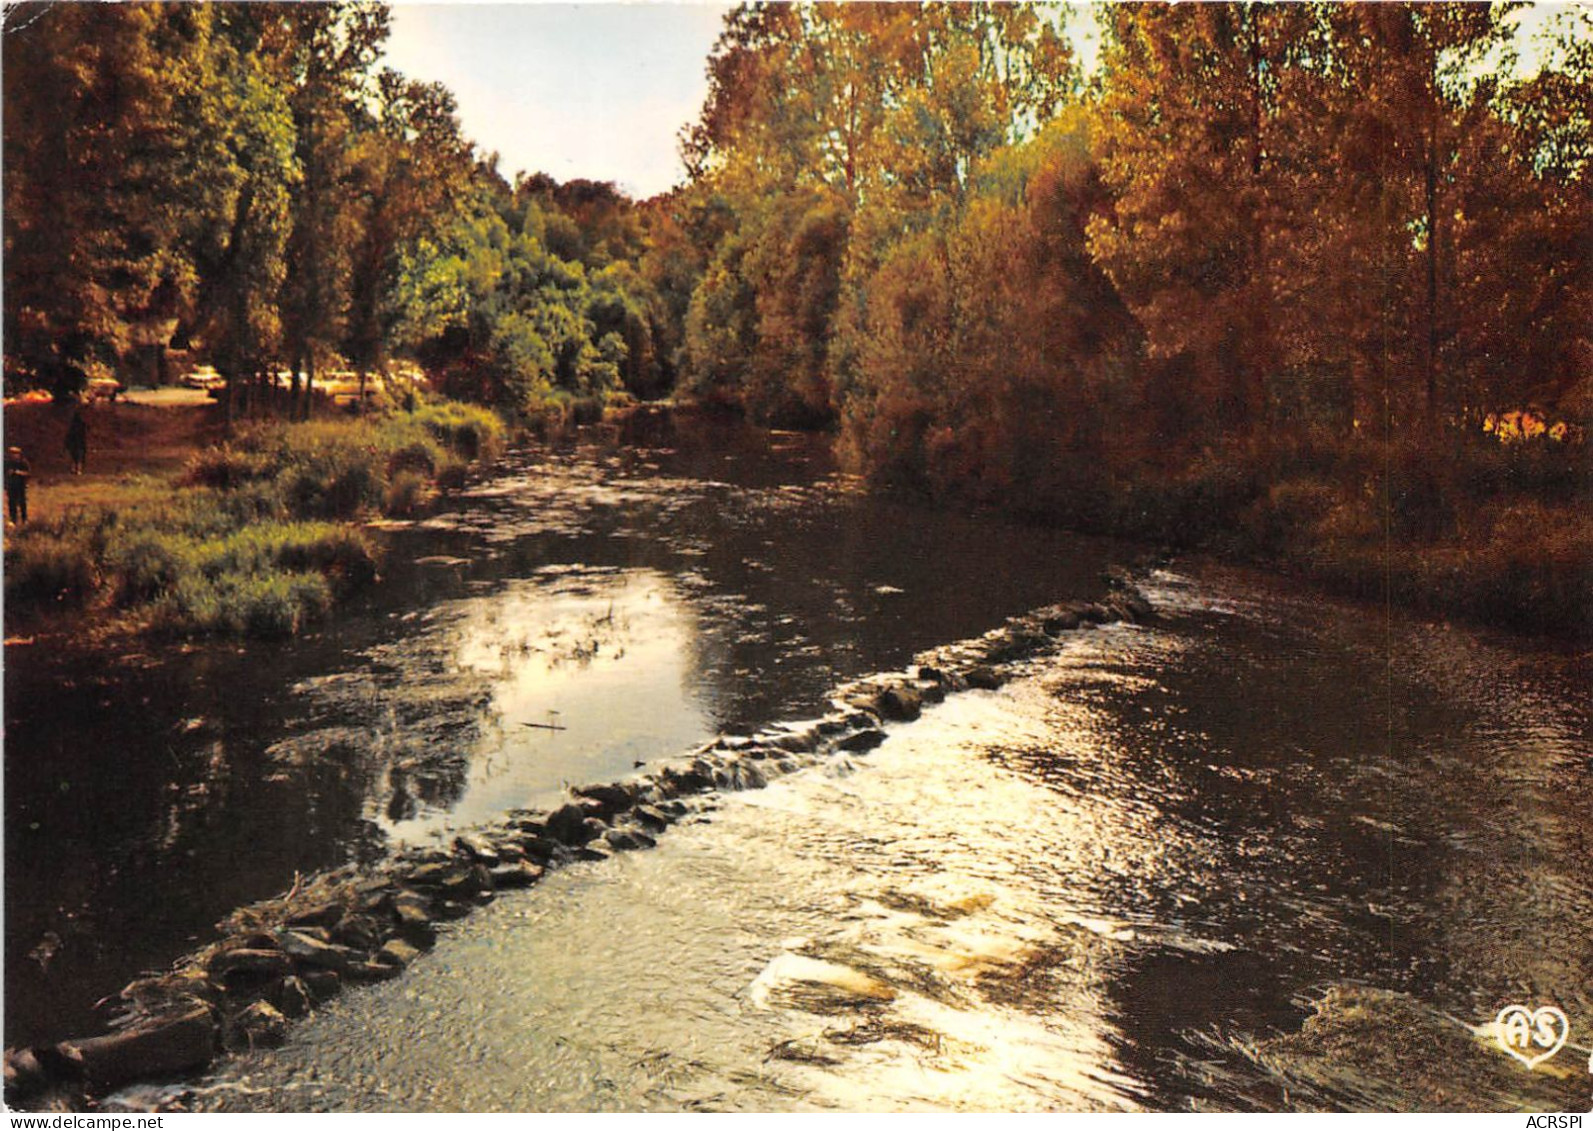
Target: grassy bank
(1458, 526)
(257, 536)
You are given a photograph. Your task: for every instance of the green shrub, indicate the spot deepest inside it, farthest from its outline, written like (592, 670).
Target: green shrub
(420, 457)
(467, 430)
(148, 564)
(406, 495)
(43, 567)
(345, 558)
(225, 467)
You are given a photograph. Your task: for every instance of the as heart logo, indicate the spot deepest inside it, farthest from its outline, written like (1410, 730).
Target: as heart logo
(1531, 1036)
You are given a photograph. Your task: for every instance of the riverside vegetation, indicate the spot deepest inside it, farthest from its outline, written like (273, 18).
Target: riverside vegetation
(1255, 283)
(256, 536)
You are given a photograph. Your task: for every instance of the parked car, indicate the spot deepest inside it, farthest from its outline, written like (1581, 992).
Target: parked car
(204, 377)
(103, 389)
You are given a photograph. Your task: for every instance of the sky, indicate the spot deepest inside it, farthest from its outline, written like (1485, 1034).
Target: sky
(599, 91)
(594, 90)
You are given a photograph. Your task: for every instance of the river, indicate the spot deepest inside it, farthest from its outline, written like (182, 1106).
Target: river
(1269, 851)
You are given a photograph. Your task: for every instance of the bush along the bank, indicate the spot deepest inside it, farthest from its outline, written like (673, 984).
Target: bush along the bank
(280, 958)
(256, 536)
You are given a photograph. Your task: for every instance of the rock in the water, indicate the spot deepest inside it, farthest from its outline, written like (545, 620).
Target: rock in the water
(308, 951)
(322, 984)
(292, 997)
(538, 847)
(244, 965)
(900, 703)
(477, 848)
(326, 915)
(397, 952)
(613, 798)
(411, 907)
(861, 740)
(260, 1026)
(983, 678)
(156, 1047)
(568, 823)
(433, 874)
(797, 742)
(651, 817)
(362, 932)
(517, 875)
(622, 839)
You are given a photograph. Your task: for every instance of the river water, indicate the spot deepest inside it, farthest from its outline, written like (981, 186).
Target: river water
(1269, 851)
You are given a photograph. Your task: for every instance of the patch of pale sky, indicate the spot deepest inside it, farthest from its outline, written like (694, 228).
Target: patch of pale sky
(602, 90)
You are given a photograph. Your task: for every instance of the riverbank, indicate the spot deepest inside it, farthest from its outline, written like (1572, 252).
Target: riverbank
(1491, 527)
(257, 536)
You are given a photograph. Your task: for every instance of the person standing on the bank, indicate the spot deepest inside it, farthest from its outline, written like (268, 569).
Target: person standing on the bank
(77, 441)
(18, 472)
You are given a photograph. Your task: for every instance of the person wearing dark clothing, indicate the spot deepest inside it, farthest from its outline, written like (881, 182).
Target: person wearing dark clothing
(77, 441)
(18, 472)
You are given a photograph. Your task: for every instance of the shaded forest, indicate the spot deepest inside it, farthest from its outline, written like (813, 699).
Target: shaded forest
(1302, 282)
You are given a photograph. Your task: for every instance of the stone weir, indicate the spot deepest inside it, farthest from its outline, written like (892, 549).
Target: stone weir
(279, 959)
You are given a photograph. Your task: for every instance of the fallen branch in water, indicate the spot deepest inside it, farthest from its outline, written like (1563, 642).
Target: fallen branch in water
(545, 726)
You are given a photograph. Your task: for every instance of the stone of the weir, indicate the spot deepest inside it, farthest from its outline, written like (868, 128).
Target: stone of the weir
(260, 1026)
(652, 817)
(796, 742)
(612, 797)
(516, 875)
(745, 775)
(567, 823)
(307, 950)
(154, 1047)
(901, 703)
(433, 874)
(375, 972)
(1060, 619)
(245, 965)
(322, 984)
(397, 952)
(411, 908)
(452, 909)
(362, 932)
(622, 839)
(538, 847)
(478, 848)
(982, 678)
(291, 996)
(861, 740)
(932, 692)
(326, 915)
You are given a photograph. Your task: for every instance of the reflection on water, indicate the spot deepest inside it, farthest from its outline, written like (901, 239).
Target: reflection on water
(1120, 882)
(710, 577)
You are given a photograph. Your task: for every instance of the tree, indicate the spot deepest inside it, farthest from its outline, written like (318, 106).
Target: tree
(1198, 109)
(117, 165)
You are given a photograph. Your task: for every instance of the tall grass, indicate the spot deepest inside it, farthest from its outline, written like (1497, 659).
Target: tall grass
(254, 537)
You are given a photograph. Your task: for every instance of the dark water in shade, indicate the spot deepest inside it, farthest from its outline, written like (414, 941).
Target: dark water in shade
(712, 577)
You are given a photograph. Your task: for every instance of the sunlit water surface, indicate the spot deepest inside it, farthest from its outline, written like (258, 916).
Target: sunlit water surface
(1108, 885)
